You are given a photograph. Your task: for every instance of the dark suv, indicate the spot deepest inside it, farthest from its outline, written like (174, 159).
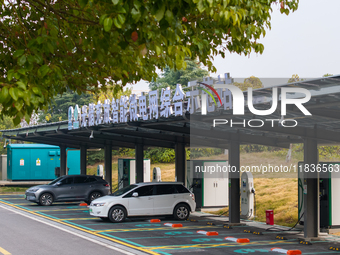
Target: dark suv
(69, 188)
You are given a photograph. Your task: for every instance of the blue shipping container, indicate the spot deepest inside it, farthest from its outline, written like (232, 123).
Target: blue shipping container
(38, 161)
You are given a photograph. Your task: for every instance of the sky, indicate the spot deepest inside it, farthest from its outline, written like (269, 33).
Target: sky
(305, 42)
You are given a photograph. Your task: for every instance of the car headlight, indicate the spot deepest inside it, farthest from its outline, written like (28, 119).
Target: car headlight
(33, 190)
(98, 204)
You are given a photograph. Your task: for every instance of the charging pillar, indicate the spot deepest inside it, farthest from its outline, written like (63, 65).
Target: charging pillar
(234, 182)
(180, 162)
(83, 162)
(63, 162)
(311, 190)
(139, 156)
(108, 164)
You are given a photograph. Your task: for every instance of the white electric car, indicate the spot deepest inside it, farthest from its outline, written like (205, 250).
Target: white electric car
(145, 199)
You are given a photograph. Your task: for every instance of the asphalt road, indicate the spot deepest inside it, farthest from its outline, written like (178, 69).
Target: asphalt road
(20, 235)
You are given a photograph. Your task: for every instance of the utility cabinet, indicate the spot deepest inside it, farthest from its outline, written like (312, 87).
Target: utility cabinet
(38, 161)
(208, 180)
(329, 190)
(127, 172)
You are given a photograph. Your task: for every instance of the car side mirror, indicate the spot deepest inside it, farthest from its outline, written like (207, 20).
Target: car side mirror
(135, 194)
(58, 184)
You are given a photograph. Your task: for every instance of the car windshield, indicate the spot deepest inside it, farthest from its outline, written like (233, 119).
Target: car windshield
(123, 190)
(55, 181)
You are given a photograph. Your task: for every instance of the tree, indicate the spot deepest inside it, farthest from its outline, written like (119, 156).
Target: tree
(58, 109)
(48, 47)
(294, 78)
(170, 77)
(5, 123)
(327, 75)
(251, 82)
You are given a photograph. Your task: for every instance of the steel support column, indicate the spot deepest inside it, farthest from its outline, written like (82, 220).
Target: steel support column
(234, 182)
(108, 164)
(139, 156)
(63, 160)
(83, 156)
(180, 162)
(311, 199)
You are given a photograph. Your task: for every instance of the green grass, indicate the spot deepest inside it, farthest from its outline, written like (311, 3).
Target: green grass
(5, 190)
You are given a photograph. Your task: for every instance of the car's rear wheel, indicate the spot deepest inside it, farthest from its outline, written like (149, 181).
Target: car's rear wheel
(94, 195)
(117, 214)
(181, 212)
(46, 199)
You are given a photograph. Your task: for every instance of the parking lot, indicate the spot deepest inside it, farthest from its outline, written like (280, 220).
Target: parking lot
(155, 238)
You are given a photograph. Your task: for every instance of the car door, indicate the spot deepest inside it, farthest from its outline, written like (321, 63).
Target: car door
(164, 199)
(64, 190)
(81, 188)
(143, 204)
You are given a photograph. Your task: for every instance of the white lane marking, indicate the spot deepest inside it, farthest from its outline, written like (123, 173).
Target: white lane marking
(68, 231)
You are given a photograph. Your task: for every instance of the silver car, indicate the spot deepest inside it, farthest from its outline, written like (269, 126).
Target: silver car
(69, 188)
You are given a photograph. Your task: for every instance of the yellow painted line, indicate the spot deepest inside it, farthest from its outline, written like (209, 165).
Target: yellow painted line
(94, 218)
(57, 210)
(10, 197)
(11, 194)
(171, 247)
(144, 249)
(25, 203)
(150, 229)
(3, 251)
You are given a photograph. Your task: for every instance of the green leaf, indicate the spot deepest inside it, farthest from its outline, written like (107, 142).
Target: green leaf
(135, 14)
(40, 39)
(38, 59)
(16, 75)
(160, 13)
(83, 3)
(200, 6)
(22, 71)
(116, 22)
(18, 53)
(107, 24)
(125, 73)
(20, 93)
(30, 59)
(121, 9)
(26, 98)
(226, 15)
(4, 93)
(169, 16)
(43, 70)
(41, 99)
(21, 85)
(121, 19)
(102, 18)
(50, 47)
(22, 60)
(211, 2)
(115, 2)
(14, 93)
(36, 90)
(18, 105)
(54, 32)
(16, 120)
(158, 50)
(10, 75)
